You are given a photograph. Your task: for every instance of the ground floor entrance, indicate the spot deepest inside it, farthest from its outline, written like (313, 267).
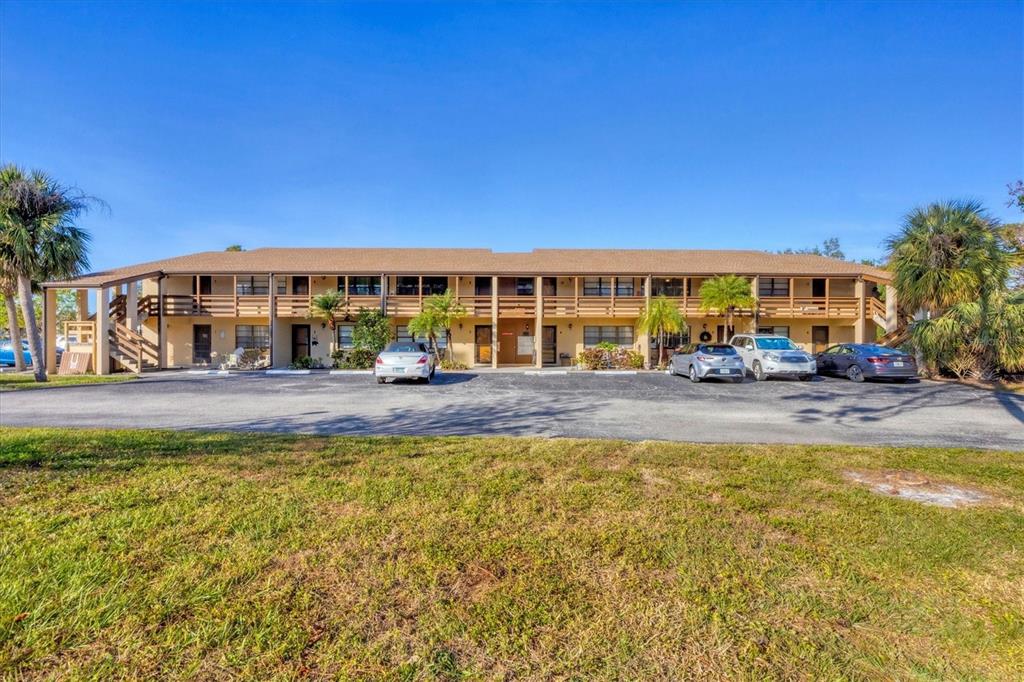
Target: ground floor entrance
(515, 342)
(300, 341)
(482, 343)
(202, 343)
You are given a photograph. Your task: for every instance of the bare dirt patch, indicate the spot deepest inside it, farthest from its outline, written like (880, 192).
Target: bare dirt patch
(913, 486)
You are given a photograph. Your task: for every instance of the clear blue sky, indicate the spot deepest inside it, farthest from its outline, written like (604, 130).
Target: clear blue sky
(686, 125)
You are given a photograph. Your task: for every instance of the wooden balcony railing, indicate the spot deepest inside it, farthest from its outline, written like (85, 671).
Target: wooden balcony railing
(876, 307)
(81, 333)
(217, 305)
(404, 305)
(289, 305)
(517, 306)
(833, 306)
(476, 306)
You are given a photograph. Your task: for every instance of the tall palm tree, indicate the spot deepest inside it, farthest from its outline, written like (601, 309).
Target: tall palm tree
(725, 295)
(447, 311)
(39, 240)
(8, 287)
(660, 317)
(327, 306)
(427, 324)
(953, 260)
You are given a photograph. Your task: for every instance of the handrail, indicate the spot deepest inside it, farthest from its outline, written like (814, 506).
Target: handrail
(80, 332)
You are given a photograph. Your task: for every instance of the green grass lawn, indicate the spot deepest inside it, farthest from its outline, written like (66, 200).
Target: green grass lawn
(20, 382)
(154, 554)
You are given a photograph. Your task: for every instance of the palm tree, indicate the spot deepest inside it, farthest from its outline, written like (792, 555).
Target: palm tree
(327, 306)
(8, 285)
(725, 295)
(39, 240)
(953, 261)
(448, 311)
(947, 253)
(427, 324)
(660, 317)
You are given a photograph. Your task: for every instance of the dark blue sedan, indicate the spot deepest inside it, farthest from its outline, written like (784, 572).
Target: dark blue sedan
(860, 361)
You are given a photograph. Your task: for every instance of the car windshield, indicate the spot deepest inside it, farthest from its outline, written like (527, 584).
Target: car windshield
(775, 343)
(398, 347)
(718, 349)
(879, 350)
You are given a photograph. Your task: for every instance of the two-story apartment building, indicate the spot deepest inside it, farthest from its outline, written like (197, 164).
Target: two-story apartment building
(532, 308)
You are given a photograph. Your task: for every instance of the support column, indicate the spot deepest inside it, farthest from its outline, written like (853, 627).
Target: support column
(132, 306)
(892, 320)
(82, 298)
(102, 360)
(859, 327)
(494, 322)
(755, 287)
(161, 324)
(272, 314)
(50, 329)
(538, 326)
(645, 338)
(384, 293)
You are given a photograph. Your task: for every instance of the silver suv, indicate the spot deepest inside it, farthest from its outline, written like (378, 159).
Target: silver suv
(769, 355)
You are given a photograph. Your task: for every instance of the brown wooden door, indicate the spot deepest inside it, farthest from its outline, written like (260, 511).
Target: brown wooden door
(482, 340)
(549, 345)
(300, 286)
(204, 285)
(819, 338)
(818, 288)
(202, 342)
(300, 341)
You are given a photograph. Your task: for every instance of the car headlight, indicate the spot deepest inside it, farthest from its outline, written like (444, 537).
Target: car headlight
(774, 357)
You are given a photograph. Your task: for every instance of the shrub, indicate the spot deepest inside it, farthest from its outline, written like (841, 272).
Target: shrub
(306, 362)
(609, 356)
(372, 330)
(453, 364)
(353, 358)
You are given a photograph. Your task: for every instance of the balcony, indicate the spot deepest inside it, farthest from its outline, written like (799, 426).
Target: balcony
(216, 305)
(829, 307)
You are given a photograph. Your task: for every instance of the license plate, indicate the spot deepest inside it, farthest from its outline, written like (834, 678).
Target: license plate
(897, 363)
(725, 371)
(398, 370)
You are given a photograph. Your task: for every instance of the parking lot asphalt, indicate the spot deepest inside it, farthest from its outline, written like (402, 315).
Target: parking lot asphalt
(589, 405)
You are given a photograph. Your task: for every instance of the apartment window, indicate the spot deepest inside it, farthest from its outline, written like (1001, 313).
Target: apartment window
(597, 286)
(252, 336)
(671, 286)
(524, 286)
(364, 286)
(281, 285)
(673, 340)
(620, 335)
(777, 331)
(345, 335)
(434, 285)
(482, 286)
(407, 286)
(624, 286)
(254, 285)
(773, 286)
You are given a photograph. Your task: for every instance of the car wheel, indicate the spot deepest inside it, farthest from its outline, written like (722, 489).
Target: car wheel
(759, 374)
(432, 371)
(381, 380)
(806, 377)
(855, 373)
(693, 375)
(426, 379)
(737, 380)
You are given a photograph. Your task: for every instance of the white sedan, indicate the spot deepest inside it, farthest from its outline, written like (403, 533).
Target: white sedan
(404, 360)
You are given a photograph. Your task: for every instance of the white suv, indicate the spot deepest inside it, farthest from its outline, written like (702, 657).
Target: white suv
(768, 355)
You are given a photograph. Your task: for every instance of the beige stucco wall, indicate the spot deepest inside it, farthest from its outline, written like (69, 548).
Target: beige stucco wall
(179, 337)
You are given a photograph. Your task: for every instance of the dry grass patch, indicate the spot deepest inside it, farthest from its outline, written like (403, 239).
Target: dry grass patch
(149, 554)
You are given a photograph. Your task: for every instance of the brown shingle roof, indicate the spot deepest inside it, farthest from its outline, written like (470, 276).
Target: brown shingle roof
(483, 262)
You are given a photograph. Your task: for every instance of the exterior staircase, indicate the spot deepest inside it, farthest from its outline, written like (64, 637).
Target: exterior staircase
(131, 350)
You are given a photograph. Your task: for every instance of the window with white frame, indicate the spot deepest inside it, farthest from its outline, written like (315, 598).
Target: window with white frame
(620, 335)
(253, 285)
(345, 335)
(773, 286)
(252, 336)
